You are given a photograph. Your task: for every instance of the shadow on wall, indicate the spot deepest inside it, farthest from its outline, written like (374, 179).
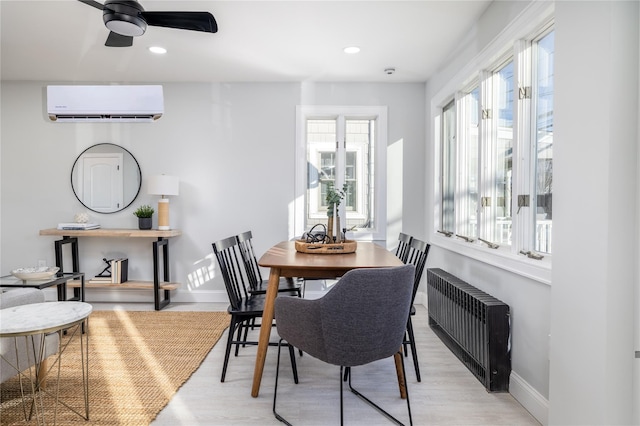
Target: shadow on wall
(202, 273)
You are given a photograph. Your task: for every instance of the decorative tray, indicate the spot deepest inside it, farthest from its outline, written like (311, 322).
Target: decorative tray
(35, 273)
(347, 246)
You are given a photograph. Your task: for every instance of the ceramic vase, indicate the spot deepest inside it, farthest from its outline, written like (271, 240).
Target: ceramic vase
(330, 229)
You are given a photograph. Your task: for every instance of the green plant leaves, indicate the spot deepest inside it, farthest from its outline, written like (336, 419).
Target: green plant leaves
(334, 197)
(144, 211)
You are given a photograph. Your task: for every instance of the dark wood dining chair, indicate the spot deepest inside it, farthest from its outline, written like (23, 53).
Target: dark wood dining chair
(256, 283)
(362, 319)
(417, 254)
(244, 307)
(402, 251)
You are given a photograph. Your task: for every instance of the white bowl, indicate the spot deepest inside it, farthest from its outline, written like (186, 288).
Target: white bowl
(35, 273)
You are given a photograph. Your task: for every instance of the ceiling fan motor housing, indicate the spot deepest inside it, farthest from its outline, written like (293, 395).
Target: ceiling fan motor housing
(124, 17)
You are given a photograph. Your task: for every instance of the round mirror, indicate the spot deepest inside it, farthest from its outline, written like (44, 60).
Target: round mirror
(106, 178)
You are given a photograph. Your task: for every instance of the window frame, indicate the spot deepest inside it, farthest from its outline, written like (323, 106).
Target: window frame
(379, 113)
(530, 26)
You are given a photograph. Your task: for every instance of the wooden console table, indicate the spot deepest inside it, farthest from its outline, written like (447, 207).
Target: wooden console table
(162, 241)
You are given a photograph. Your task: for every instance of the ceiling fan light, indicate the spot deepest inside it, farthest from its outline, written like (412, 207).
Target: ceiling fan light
(125, 28)
(125, 25)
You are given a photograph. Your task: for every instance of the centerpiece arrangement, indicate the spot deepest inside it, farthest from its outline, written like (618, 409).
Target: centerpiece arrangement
(333, 241)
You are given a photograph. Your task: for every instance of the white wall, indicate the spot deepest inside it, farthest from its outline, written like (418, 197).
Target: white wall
(585, 375)
(594, 271)
(232, 147)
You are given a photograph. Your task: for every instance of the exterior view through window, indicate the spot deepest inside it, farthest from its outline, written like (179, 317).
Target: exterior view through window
(497, 152)
(341, 151)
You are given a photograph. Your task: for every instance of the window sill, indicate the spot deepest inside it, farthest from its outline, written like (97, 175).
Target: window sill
(503, 258)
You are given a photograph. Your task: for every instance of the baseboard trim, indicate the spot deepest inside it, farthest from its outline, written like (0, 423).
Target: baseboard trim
(529, 398)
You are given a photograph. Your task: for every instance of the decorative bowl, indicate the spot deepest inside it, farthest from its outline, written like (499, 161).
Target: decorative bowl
(347, 246)
(35, 273)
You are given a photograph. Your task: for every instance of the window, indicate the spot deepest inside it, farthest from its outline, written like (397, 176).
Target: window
(338, 146)
(469, 151)
(496, 152)
(543, 142)
(448, 167)
(498, 118)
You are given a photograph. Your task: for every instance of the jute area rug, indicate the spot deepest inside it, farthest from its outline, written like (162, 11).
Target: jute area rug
(137, 362)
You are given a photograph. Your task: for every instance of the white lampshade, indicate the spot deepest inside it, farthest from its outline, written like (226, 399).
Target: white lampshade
(163, 185)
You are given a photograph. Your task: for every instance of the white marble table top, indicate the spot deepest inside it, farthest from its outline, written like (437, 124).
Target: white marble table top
(46, 317)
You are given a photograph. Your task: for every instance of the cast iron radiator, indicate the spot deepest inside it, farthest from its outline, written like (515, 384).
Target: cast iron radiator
(473, 324)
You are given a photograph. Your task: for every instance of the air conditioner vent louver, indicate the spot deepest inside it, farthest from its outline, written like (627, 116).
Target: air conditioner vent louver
(124, 104)
(100, 118)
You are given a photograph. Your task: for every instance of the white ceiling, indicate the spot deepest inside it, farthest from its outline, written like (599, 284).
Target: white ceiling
(259, 41)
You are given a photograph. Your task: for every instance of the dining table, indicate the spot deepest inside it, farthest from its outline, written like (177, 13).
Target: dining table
(285, 261)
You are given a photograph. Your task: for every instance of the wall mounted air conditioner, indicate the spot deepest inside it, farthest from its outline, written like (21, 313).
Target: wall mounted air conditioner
(104, 103)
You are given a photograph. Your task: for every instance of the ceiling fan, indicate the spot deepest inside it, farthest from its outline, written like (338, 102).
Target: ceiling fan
(127, 19)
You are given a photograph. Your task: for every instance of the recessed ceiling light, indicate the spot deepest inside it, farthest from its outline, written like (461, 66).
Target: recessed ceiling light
(351, 49)
(157, 49)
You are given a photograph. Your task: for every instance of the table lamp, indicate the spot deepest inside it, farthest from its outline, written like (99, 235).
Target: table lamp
(164, 186)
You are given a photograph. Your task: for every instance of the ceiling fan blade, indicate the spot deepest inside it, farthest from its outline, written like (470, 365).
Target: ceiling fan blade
(194, 21)
(92, 3)
(117, 40)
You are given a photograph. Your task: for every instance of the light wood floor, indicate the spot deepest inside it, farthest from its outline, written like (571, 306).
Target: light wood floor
(448, 394)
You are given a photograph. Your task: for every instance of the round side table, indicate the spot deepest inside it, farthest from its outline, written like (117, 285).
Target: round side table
(39, 319)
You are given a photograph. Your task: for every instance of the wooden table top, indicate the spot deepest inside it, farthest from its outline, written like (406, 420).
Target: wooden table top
(112, 232)
(367, 255)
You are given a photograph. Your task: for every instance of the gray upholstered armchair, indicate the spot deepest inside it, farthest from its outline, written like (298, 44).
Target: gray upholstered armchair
(363, 318)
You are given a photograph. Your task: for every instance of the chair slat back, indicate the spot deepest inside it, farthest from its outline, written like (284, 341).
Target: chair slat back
(225, 251)
(249, 259)
(402, 251)
(417, 254)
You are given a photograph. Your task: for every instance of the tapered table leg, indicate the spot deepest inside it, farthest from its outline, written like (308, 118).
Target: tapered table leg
(265, 329)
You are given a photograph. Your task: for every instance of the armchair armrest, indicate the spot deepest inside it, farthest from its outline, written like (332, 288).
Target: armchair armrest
(299, 322)
(20, 296)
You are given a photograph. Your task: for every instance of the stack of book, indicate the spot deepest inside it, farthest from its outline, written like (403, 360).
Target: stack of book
(119, 270)
(78, 226)
(119, 273)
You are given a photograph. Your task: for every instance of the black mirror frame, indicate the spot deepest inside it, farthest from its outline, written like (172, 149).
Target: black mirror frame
(139, 177)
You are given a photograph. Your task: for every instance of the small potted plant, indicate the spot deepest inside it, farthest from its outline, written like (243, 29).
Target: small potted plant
(144, 214)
